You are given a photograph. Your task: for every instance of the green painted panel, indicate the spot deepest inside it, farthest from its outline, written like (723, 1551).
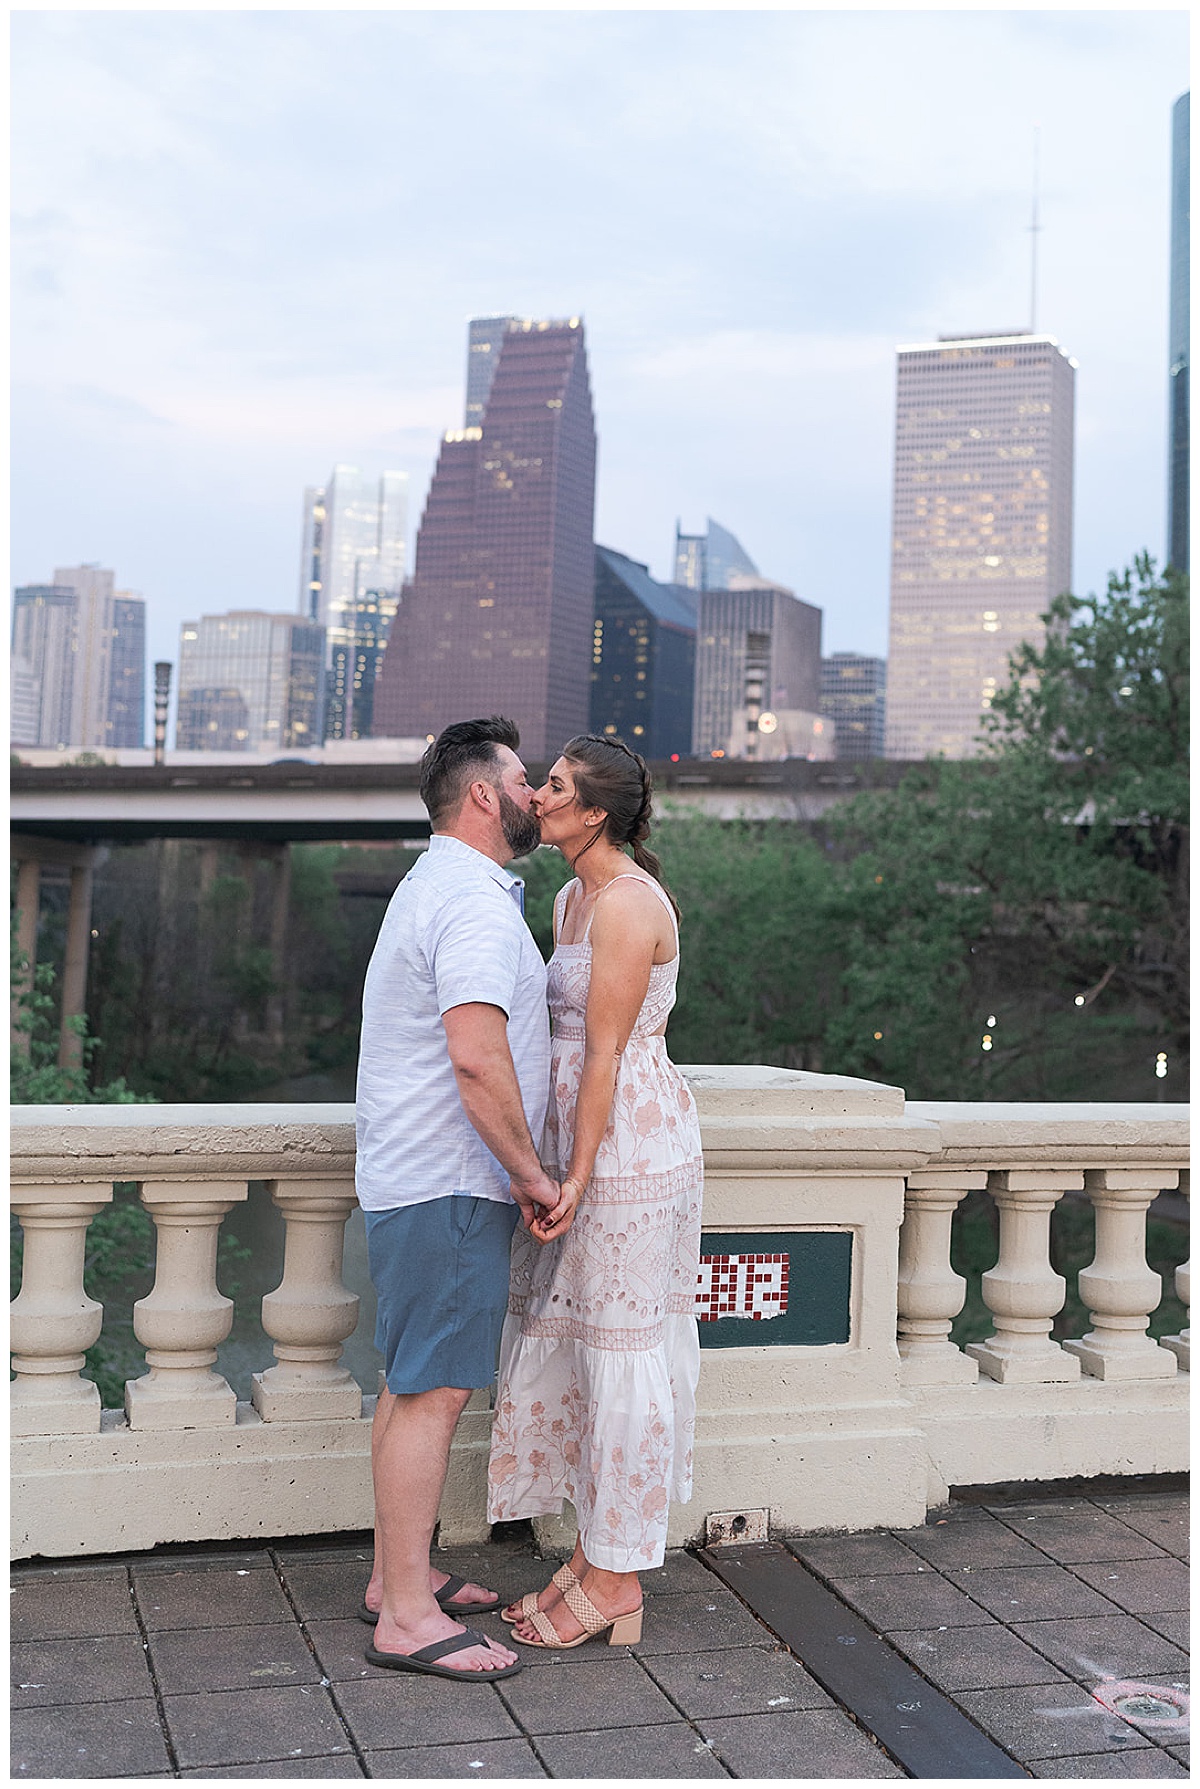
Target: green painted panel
(809, 1270)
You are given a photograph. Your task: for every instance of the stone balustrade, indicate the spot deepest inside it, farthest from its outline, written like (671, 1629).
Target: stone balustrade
(867, 1421)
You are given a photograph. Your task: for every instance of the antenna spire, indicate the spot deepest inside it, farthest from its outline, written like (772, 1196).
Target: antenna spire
(1035, 229)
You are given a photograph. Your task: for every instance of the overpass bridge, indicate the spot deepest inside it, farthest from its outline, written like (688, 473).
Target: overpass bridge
(65, 817)
(104, 804)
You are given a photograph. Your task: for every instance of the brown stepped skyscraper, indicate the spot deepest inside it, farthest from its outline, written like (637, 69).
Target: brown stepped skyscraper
(497, 617)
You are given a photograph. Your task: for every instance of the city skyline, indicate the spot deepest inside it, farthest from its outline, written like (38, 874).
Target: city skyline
(184, 372)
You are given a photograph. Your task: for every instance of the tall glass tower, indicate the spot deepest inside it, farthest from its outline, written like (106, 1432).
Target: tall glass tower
(497, 618)
(981, 527)
(706, 561)
(353, 557)
(1178, 457)
(485, 338)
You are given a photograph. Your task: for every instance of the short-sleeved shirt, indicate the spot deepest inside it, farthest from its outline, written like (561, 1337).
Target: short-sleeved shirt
(453, 935)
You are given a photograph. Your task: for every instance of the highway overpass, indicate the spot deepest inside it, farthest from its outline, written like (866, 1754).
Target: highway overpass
(283, 802)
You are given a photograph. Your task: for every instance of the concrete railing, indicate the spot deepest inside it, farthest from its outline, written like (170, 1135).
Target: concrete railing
(866, 1422)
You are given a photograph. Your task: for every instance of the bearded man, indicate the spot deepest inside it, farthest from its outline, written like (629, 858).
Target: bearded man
(453, 1078)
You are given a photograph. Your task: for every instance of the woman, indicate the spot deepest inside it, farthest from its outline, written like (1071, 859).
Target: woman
(600, 1355)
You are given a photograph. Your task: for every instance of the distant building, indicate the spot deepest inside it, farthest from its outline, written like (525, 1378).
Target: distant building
(758, 653)
(43, 643)
(707, 561)
(853, 697)
(1178, 471)
(250, 681)
(643, 658)
(354, 541)
(85, 648)
(497, 617)
(24, 702)
(485, 338)
(981, 529)
(354, 666)
(127, 673)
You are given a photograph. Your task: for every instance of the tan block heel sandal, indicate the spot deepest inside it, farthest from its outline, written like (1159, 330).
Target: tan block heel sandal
(622, 1630)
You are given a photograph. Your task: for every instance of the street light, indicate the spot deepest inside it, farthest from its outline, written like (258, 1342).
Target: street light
(162, 696)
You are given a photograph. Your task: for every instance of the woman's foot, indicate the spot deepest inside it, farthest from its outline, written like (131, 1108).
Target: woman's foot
(551, 1597)
(612, 1593)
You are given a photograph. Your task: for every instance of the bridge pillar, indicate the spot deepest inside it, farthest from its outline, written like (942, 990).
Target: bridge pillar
(280, 857)
(75, 967)
(29, 897)
(34, 853)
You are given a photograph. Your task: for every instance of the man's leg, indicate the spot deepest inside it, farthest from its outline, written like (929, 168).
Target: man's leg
(373, 1596)
(410, 1451)
(383, 1407)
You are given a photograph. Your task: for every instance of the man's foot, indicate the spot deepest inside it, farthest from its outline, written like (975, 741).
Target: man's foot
(474, 1654)
(464, 1597)
(464, 1654)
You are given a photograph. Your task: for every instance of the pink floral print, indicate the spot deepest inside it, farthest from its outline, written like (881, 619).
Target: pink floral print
(600, 1356)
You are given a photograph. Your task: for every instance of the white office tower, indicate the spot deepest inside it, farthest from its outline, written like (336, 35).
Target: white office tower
(981, 528)
(249, 682)
(354, 539)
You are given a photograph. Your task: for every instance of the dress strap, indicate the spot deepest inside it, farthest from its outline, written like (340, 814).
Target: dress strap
(637, 876)
(560, 905)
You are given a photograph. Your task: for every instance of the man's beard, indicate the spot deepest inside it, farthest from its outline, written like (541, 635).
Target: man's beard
(522, 831)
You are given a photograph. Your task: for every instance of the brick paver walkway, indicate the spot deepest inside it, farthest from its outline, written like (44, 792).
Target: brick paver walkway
(221, 1663)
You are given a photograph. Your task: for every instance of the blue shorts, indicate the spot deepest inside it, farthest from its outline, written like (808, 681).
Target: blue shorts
(440, 1272)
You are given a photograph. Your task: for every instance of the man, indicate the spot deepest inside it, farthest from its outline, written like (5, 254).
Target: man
(453, 1078)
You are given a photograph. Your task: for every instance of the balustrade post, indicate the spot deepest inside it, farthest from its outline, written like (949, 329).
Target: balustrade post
(53, 1321)
(311, 1313)
(1181, 1345)
(183, 1318)
(1022, 1291)
(929, 1294)
(1119, 1289)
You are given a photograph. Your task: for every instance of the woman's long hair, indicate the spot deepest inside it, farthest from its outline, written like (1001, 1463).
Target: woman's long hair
(609, 775)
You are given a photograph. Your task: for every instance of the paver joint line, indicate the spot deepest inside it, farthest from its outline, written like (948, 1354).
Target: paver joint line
(356, 1751)
(160, 1709)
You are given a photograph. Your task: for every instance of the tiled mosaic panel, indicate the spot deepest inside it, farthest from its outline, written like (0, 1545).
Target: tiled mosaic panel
(754, 1286)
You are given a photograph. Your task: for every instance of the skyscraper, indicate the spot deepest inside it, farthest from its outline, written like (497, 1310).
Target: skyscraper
(354, 666)
(84, 647)
(758, 654)
(354, 541)
(1178, 472)
(707, 561)
(485, 337)
(981, 527)
(853, 695)
(498, 615)
(43, 636)
(643, 658)
(93, 587)
(127, 672)
(251, 682)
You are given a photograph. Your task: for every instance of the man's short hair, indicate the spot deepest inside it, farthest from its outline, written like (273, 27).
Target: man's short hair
(458, 755)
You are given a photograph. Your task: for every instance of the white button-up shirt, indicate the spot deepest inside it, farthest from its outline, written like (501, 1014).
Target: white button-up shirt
(452, 935)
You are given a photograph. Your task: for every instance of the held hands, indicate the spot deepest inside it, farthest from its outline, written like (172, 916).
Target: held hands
(547, 1210)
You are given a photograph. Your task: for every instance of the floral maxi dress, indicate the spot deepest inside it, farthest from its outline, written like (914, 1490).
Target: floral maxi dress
(600, 1355)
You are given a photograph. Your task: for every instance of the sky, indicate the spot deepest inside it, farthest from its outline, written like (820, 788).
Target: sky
(247, 245)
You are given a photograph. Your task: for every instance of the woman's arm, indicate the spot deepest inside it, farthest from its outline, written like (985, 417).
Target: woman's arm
(625, 936)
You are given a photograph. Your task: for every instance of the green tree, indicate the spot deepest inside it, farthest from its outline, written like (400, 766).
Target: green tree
(1038, 886)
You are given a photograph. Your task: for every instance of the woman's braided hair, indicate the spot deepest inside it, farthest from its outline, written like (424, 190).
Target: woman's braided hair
(609, 775)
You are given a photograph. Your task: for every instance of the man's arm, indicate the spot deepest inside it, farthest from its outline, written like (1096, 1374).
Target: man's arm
(477, 1038)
